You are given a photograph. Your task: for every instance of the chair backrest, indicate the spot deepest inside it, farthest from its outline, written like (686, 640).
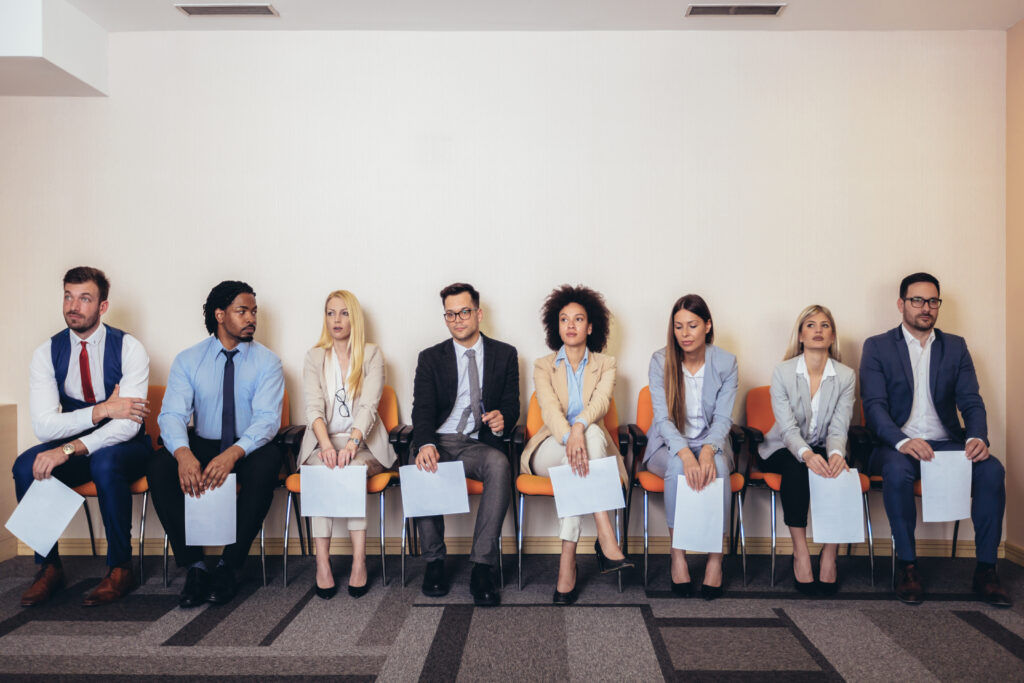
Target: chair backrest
(759, 409)
(388, 408)
(534, 420)
(286, 418)
(156, 401)
(644, 410)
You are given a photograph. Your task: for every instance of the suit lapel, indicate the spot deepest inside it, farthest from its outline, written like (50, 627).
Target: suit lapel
(904, 355)
(490, 363)
(709, 389)
(449, 373)
(933, 364)
(590, 375)
(560, 382)
(828, 390)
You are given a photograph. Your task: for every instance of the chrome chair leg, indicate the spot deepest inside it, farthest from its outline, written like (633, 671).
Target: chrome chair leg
(892, 542)
(88, 520)
(519, 542)
(294, 501)
(287, 524)
(743, 539)
(772, 584)
(618, 539)
(871, 540)
(142, 536)
(263, 554)
(956, 531)
(166, 581)
(383, 559)
(646, 550)
(405, 528)
(501, 562)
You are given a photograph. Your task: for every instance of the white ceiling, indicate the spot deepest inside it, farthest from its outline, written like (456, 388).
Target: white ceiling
(554, 15)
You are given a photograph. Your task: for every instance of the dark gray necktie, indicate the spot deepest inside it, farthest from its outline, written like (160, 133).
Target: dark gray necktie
(227, 415)
(474, 396)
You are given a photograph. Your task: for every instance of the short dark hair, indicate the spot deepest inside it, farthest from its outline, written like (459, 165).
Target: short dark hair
(591, 301)
(82, 274)
(915, 278)
(221, 297)
(459, 288)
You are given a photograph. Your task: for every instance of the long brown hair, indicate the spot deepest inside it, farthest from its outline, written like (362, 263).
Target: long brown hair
(675, 388)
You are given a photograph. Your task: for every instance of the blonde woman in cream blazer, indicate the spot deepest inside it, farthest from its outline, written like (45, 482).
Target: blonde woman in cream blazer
(574, 390)
(812, 399)
(343, 426)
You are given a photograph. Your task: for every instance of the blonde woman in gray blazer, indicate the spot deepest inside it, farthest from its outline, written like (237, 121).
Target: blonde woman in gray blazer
(342, 382)
(812, 398)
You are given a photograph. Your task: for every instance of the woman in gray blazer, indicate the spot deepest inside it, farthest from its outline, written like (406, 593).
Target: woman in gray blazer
(693, 388)
(342, 382)
(812, 398)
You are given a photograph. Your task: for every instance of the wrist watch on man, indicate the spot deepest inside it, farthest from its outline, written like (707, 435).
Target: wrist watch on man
(68, 449)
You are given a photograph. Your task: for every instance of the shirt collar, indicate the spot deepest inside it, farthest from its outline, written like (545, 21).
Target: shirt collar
(97, 337)
(697, 375)
(460, 350)
(911, 339)
(242, 348)
(801, 367)
(560, 356)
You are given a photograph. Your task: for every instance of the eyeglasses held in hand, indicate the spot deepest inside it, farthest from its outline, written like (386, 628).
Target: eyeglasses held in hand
(464, 314)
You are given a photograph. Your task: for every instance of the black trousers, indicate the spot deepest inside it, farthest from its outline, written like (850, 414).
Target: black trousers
(256, 476)
(796, 489)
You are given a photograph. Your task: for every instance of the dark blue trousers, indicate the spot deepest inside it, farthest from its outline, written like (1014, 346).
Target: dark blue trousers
(113, 469)
(988, 499)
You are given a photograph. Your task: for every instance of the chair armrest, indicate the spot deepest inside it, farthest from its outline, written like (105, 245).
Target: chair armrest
(738, 436)
(639, 440)
(861, 443)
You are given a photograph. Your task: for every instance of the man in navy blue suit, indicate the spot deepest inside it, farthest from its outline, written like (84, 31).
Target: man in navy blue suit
(913, 380)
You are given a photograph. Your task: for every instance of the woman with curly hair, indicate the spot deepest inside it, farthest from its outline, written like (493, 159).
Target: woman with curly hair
(342, 382)
(574, 389)
(693, 387)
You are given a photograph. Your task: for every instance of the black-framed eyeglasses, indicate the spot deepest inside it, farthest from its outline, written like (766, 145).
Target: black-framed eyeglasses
(920, 301)
(464, 314)
(341, 398)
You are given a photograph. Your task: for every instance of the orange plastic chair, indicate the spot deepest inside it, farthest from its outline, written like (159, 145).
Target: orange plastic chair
(760, 419)
(652, 483)
(535, 485)
(140, 486)
(379, 483)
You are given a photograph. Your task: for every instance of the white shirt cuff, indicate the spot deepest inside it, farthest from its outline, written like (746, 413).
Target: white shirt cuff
(899, 444)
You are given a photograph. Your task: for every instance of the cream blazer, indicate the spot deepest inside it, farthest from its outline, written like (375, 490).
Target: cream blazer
(551, 384)
(364, 408)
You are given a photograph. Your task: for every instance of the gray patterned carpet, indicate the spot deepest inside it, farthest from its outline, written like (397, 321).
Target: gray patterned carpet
(396, 634)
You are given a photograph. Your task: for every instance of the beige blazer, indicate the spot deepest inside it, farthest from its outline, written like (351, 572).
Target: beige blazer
(364, 415)
(551, 384)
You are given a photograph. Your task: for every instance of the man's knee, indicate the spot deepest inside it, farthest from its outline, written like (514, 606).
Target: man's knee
(897, 469)
(988, 475)
(496, 466)
(22, 469)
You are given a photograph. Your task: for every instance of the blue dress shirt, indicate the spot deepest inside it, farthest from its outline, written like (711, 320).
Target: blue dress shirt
(574, 380)
(196, 384)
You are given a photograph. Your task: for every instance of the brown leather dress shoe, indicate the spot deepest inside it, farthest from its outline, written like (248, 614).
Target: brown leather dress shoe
(908, 586)
(118, 582)
(989, 589)
(49, 579)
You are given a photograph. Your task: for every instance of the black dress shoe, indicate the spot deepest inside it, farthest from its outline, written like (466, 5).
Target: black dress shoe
(326, 593)
(711, 592)
(908, 586)
(197, 588)
(481, 585)
(986, 584)
(223, 586)
(359, 591)
(682, 590)
(608, 566)
(435, 583)
(805, 587)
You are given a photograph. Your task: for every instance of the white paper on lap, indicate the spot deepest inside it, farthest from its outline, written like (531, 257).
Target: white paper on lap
(946, 487)
(600, 490)
(700, 517)
(426, 494)
(210, 518)
(337, 492)
(43, 513)
(837, 513)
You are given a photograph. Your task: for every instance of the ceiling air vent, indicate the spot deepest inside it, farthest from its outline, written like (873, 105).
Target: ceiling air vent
(772, 10)
(209, 10)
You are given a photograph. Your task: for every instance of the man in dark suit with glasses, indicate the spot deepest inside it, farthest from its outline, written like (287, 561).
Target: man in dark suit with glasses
(465, 397)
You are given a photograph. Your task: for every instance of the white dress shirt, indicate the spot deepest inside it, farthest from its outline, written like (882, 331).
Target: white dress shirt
(801, 370)
(462, 396)
(695, 422)
(50, 424)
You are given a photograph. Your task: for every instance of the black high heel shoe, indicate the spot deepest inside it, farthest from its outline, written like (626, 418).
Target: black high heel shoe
(828, 588)
(682, 590)
(326, 593)
(566, 599)
(607, 566)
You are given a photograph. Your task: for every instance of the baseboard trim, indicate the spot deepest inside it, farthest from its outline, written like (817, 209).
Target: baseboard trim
(1014, 553)
(542, 545)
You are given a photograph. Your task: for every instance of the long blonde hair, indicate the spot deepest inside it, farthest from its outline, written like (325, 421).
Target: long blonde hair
(675, 385)
(356, 340)
(795, 348)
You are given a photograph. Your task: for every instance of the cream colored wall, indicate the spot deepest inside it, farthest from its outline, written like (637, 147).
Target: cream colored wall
(1014, 279)
(765, 171)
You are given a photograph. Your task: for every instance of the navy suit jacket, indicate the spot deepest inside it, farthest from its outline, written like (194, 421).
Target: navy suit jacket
(437, 384)
(887, 386)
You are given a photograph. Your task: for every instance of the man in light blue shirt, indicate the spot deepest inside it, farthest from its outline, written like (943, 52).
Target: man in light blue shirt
(232, 388)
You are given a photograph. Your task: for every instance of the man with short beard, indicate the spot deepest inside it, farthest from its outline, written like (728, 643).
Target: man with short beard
(913, 381)
(87, 396)
(233, 388)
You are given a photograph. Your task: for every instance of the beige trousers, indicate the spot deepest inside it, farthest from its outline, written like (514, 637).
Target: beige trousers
(323, 527)
(551, 453)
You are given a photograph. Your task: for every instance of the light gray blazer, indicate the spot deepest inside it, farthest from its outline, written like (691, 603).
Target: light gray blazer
(791, 403)
(721, 380)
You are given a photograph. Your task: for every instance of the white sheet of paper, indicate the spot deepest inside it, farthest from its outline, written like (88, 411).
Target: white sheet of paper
(210, 519)
(43, 513)
(837, 511)
(946, 487)
(700, 517)
(600, 490)
(425, 494)
(337, 492)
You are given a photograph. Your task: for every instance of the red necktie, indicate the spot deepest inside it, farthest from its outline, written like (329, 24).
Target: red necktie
(83, 362)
